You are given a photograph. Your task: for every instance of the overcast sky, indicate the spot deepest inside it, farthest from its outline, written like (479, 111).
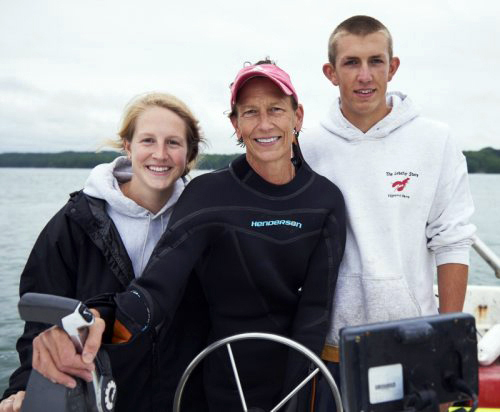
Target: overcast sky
(67, 68)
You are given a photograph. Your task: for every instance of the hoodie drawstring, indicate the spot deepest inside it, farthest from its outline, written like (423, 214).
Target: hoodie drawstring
(144, 244)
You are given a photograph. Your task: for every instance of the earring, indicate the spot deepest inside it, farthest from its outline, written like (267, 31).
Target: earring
(239, 142)
(295, 132)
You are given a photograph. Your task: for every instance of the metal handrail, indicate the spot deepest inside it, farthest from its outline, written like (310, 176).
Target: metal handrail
(487, 254)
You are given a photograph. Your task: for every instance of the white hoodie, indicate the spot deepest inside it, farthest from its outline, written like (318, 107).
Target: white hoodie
(408, 206)
(139, 229)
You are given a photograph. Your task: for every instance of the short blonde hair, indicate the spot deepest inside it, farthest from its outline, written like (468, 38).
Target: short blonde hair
(358, 26)
(138, 105)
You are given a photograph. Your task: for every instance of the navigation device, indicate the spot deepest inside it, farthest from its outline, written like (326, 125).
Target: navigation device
(409, 365)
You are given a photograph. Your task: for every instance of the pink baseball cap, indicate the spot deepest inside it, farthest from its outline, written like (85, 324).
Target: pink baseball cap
(270, 71)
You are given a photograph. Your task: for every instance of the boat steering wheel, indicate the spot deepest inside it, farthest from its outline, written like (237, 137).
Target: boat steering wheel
(320, 367)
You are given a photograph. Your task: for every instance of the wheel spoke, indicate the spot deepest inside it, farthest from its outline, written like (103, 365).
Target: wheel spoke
(237, 377)
(266, 336)
(297, 388)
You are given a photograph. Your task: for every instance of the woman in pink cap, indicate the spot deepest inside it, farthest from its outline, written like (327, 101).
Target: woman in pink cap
(264, 236)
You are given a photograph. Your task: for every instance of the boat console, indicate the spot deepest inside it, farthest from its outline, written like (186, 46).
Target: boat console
(42, 394)
(409, 365)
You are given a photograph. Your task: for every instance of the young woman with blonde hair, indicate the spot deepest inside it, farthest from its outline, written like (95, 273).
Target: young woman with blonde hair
(103, 237)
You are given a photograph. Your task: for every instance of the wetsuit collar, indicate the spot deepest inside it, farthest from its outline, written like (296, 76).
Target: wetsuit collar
(243, 172)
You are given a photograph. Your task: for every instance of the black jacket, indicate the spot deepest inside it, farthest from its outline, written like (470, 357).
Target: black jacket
(267, 257)
(79, 254)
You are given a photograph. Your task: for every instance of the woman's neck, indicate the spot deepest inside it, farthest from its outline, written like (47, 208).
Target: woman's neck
(148, 199)
(275, 172)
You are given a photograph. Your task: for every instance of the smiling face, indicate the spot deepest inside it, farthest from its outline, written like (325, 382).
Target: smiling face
(158, 151)
(362, 70)
(265, 120)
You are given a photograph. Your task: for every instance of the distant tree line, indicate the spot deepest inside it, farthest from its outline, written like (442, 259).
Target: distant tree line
(214, 161)
(486, 160)
(75, 160)
(87, 160)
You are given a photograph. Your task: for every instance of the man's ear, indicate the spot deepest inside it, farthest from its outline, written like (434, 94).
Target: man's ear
(330, 73)
(393, 67)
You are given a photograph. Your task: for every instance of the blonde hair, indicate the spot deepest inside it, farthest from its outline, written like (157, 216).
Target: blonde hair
(358, 26)
(138, 105)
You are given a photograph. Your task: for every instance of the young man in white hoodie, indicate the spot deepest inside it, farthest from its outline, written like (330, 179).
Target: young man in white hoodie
(405, 186)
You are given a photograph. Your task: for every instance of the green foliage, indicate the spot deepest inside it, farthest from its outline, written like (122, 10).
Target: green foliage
(215, 161)
(87, 160)
(74, 160)
(486, 160)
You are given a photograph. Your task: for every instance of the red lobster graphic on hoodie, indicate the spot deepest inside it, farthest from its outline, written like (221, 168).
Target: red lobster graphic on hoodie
(400, 184)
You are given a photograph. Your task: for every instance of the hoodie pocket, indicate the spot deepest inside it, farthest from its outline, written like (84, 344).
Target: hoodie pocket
(363, 299)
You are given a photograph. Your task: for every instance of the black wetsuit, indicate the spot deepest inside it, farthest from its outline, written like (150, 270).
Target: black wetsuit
(267, 257)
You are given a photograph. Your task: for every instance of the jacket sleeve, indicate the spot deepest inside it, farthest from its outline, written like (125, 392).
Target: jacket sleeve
(448, 228)
(49, 269)
(313, 314)
(154, 297)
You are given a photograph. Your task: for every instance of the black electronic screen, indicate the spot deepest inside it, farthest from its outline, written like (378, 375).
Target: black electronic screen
(411, 364)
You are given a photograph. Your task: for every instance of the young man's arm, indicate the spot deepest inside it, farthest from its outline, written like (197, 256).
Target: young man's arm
(452, 284)
(449, 230)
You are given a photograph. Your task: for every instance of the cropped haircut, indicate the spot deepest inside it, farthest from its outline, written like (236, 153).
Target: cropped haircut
(358, 26)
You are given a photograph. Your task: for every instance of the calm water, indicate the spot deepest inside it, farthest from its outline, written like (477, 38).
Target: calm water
(32, 196)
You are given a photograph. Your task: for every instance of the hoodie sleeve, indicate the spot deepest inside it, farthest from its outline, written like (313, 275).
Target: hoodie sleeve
(449, 231)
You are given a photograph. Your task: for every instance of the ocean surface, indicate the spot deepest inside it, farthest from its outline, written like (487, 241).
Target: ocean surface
(32, 196)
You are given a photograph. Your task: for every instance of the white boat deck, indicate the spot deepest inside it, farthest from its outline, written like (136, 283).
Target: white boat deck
(483, 302)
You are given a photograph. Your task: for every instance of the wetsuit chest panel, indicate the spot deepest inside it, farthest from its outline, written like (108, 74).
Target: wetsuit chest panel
(251, 281)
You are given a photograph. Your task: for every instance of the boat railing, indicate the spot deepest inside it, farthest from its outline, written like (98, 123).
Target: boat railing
(487, 254)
